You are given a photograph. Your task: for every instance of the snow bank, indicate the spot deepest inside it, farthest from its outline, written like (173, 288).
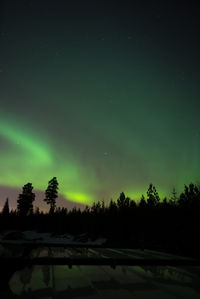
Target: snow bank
(30, 236)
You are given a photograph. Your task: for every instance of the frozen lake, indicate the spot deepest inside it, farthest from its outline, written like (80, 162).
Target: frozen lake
(93, 281)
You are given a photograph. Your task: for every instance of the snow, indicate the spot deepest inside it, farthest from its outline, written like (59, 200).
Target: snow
(38, 237)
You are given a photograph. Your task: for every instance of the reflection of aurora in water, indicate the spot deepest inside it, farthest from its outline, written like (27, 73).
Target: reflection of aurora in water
(87, 280)
(103, 281)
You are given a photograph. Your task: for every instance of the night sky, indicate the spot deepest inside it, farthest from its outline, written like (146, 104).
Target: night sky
(104, 96)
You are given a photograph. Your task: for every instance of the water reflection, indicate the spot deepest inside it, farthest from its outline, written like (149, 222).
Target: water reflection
(101, 281)
(46, 275)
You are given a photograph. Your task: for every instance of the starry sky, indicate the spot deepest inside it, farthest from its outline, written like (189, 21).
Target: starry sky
(104, 96)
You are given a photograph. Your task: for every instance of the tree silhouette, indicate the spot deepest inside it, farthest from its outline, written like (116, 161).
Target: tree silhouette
(37, 211)
(165, 203)
(96, 207)
(174, 197)
(51, 194)
(5, 210)
(112, 207)
(142, 203)
(25, 201)
(152, 196)
(190, 197)
(123, 201)
(122, 222)
(133, 204)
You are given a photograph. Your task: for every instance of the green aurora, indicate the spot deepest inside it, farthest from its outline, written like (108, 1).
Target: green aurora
(105, 106)
(38, 163)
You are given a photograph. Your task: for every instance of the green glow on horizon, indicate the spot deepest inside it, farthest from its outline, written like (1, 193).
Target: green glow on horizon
(137, 195)
(79, 197)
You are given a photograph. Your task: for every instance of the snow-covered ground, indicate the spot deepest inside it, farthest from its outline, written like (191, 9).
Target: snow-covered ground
(16, 237)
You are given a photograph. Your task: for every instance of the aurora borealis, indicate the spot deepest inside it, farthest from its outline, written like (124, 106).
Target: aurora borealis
(104, 96)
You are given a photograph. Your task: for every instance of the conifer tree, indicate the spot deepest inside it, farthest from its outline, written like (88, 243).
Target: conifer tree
(5, 210)
(51, 194)
(142, 202)
(152, 196)
(25, 201)
(174, 197)
(121, 200)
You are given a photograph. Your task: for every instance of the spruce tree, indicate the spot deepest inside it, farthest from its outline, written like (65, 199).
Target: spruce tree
(152, 196)
(142, 202)
(51, 194)
(174, 197)
(121, 202)
(25, 201)
(5, 210)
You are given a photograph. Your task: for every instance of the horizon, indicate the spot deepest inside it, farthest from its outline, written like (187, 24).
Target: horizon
(62, 203)
(103, 96)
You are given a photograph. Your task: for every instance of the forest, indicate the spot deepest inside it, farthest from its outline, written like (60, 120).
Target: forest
(169, 225)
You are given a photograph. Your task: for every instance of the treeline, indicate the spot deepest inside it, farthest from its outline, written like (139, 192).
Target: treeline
(170, 224)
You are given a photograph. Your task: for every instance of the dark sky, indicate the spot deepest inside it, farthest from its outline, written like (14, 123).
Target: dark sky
(104, 96)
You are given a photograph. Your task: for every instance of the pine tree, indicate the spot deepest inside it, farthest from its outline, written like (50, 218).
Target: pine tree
(5, 210)
(25, 201)
(51, 194)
